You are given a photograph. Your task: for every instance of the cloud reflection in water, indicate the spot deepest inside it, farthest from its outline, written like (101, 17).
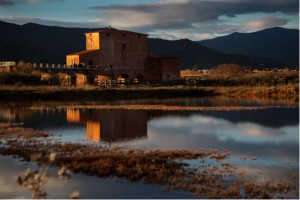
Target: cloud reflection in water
(223, 130)
(241, 138)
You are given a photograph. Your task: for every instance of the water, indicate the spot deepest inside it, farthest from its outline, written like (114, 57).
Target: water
(270, 136)
(89, 187)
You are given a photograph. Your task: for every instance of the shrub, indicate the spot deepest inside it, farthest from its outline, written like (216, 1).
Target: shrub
(23, 67)
(19, 79)
(228, 70)
(21, 74)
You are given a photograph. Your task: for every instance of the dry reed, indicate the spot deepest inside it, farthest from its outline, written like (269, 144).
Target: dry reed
(167, 168)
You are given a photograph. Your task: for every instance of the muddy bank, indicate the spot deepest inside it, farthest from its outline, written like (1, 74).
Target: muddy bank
(169, 168)
(96, 93)
(160, 107)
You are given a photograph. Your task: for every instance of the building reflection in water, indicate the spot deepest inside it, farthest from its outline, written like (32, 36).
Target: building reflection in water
(13, 115)
(93, 131)
(110, 125)
(73, 115)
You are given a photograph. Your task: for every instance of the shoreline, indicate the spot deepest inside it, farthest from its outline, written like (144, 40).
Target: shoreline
(161, 107)
(93, 93)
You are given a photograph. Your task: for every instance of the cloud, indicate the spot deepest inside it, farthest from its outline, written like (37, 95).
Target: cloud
(180, 33)
(169, 13)
(195, 19)
(178, 19)
(5, 2)
(13, 2)
(23, 20)
(263, 23)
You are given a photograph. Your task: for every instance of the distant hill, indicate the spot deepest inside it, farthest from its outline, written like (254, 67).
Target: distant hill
(273, 43)
(192, 53)
(39, 43)
(50, 44)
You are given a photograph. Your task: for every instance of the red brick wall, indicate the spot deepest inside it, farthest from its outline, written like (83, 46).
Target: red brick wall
(124, 51)
(170, 69)
(154, 70)
(163, 69)
(90, 56)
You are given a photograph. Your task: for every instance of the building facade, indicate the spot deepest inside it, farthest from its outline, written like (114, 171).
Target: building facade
(124, 52)
(6, 66)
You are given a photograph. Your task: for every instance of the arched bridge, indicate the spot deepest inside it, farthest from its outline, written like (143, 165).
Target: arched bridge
(74, 76)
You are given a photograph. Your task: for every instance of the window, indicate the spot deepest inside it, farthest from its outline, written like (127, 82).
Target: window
(107, 34)
(123, 45)
(123, 35)
(153, 67)
(139, 36)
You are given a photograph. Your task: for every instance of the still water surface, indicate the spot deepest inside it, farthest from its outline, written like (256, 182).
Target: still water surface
(270, 135)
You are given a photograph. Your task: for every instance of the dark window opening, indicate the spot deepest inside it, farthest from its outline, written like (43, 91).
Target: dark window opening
(123, 45)
(124, 76)
(123, 35)
(139, 36)
(90, 62)
(153, 67)
(107, 34)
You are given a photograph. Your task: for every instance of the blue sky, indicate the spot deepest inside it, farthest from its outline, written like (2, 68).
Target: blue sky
(168, 19)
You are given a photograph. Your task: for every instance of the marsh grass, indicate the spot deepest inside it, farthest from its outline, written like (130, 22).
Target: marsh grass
(91, 93)
(35, 180)
(167, 168)
(158, 107)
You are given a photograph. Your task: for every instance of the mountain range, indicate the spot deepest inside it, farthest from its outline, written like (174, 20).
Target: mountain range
(49, 44)
(274, 43)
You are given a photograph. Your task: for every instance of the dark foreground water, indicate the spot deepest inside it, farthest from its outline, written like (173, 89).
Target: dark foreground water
(270, 137)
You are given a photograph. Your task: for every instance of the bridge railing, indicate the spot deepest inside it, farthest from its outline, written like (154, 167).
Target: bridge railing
(44, 66)
(48, 66)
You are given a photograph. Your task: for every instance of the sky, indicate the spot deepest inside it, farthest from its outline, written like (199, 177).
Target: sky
(168, 19)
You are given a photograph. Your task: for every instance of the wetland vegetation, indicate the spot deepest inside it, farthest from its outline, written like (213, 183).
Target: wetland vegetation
(223, 80)
(162, 134)
(168, 168)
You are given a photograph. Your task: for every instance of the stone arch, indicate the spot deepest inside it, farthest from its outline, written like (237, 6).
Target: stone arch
(81, 79)
(124, 75)
(46, 78)
(139, 79)
(123, 78)
(66, 79)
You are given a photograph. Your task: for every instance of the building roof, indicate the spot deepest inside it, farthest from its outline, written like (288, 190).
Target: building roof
(82, 52)
(115, 31)
(153, 55)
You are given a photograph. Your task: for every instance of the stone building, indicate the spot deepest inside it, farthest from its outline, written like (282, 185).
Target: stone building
(162, 68)
(6, 66)
(126, 53)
